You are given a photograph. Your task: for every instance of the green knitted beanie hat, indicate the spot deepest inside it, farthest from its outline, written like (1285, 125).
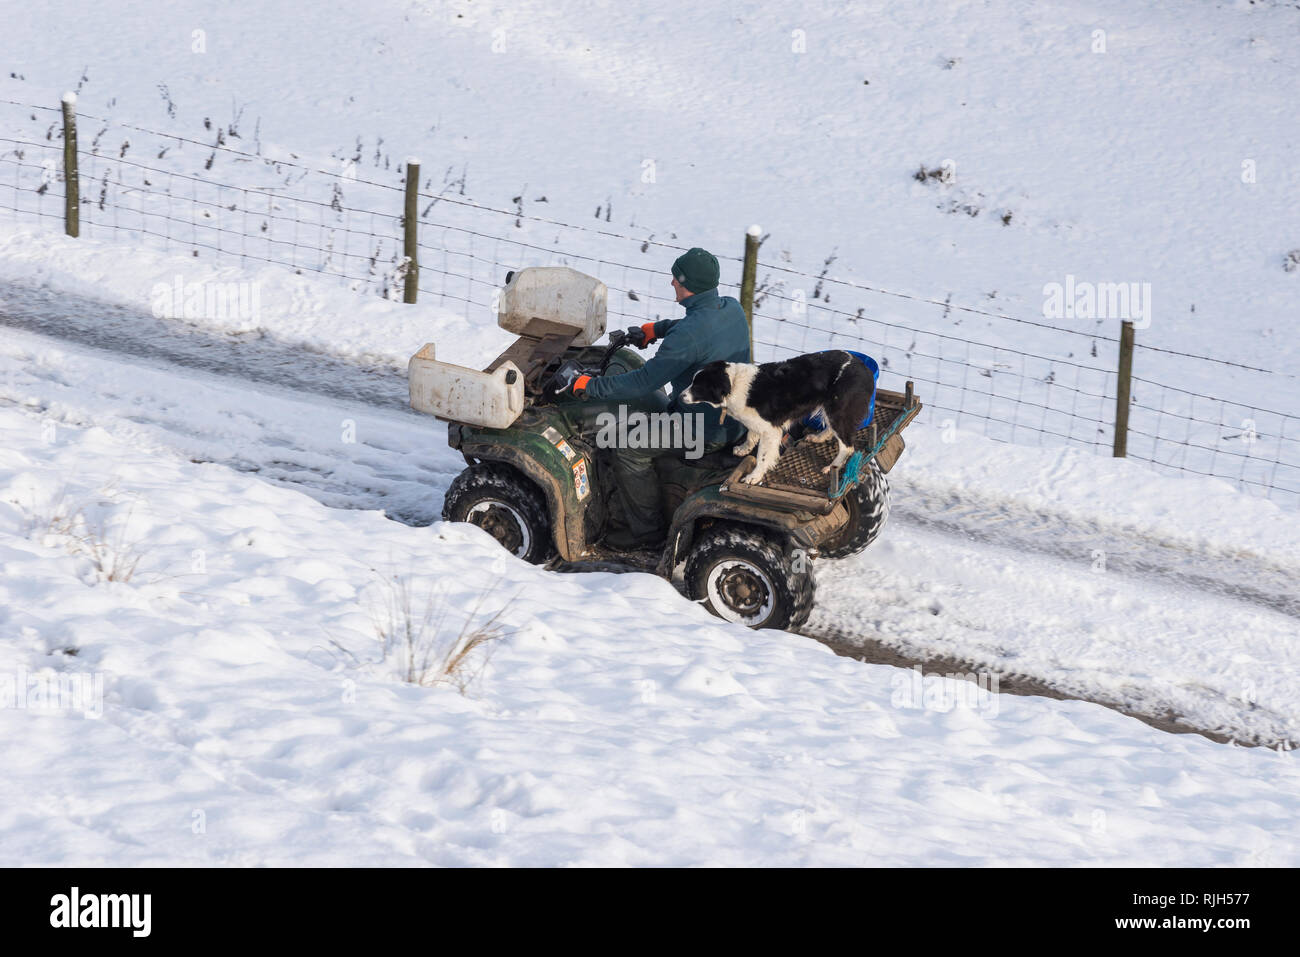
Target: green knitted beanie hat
(697, 270)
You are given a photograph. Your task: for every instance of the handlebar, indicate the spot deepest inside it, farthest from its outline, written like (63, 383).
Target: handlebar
(571, 369)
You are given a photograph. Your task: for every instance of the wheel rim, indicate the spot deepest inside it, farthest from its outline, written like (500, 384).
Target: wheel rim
(740, 591)
(503, 522)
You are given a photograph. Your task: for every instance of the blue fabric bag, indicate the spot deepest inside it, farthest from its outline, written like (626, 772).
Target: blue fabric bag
(816, 423)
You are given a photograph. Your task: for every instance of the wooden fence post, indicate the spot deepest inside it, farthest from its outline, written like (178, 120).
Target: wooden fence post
(747, 281)
(1123, 389)
(410, 224)
(71, 185)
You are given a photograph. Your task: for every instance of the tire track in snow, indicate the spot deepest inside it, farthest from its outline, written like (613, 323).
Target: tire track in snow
(1231, 573)
(851, 638)
(254, 357)
(875, 651)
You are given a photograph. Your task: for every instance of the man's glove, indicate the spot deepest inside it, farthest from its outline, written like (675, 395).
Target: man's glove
(641, 336)
(572, 379)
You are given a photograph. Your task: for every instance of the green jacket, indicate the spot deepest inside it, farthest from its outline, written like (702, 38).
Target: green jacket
(714, 328)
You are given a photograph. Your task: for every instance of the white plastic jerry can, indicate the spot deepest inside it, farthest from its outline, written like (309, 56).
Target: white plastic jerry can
(486, 399)
(560, 296)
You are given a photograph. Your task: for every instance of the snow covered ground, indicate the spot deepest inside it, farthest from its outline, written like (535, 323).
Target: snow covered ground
(263, 464)
(247, 716)
(230, 703)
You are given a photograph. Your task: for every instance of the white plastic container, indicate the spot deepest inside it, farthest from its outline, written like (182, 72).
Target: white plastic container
(555, 294)
(457, 394)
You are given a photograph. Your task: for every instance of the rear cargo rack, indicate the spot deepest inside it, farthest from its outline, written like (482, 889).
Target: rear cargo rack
(796, 482)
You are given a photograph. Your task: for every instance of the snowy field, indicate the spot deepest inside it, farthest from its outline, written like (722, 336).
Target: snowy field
(201, 518)
(248, 717)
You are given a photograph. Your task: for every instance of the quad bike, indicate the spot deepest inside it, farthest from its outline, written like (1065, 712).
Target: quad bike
(537, 480)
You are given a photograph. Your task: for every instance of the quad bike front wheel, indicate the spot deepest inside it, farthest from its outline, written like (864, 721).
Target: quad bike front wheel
(868, 507)
(749, 576)
(506, 505)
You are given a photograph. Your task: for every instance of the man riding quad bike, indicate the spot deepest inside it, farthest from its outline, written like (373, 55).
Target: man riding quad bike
(714, 328)
(569, 444)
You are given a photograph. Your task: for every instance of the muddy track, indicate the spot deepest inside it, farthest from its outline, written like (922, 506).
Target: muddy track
(871, 650)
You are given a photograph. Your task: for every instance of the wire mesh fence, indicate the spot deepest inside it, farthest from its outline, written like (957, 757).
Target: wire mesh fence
(31, 180)
(211, 199)
(1005, 394)
(1180, 430)
(269, 224)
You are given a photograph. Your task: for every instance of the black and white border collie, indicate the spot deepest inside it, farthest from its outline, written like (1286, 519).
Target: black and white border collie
(767, 399)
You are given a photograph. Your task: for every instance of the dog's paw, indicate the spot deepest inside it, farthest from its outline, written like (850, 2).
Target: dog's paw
(740, 451)
(826, 470)
(753, 478)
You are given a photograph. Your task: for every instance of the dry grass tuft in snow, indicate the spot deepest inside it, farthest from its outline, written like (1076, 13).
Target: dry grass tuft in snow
(104, 539)
(430, 641)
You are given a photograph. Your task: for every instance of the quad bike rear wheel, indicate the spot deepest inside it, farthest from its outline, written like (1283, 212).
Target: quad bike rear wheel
(505, 504)
(750, 576)
(868, 507)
